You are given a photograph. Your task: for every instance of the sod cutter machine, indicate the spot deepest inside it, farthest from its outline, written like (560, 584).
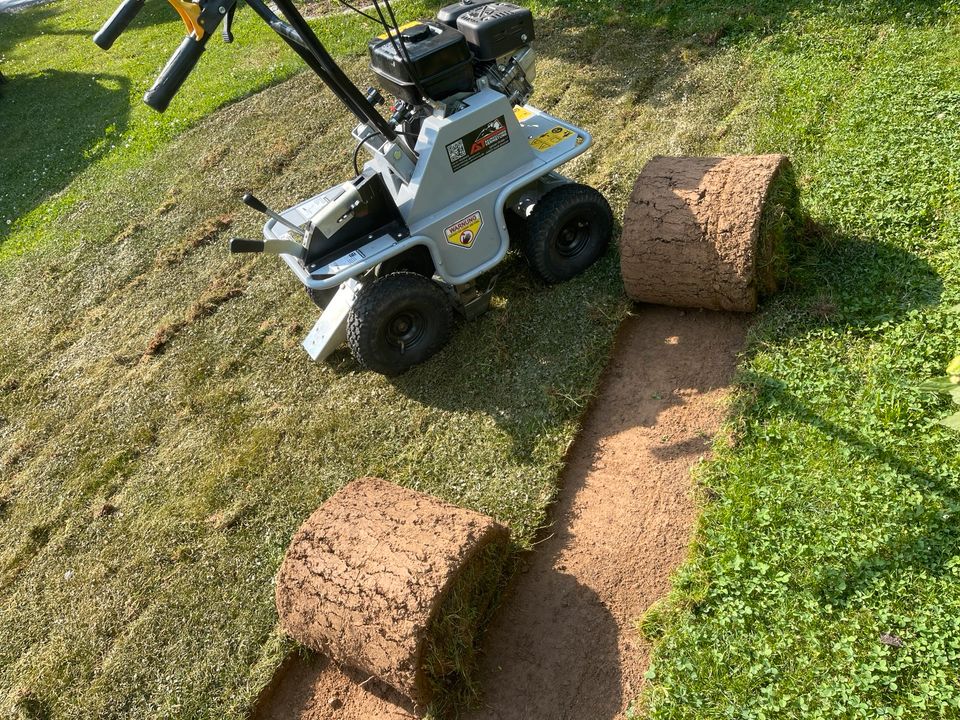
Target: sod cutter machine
(461, 169)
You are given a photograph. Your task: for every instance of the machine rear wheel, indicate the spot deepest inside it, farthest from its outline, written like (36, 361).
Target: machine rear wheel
(398, 321)
(568, 230)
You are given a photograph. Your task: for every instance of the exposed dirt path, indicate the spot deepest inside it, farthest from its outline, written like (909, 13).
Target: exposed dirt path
(563, 645)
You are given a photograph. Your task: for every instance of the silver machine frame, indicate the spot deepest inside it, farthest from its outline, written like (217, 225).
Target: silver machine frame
(452, 200)
(465, 233)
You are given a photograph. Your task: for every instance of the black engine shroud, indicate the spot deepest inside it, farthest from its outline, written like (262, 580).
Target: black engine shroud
(444, 54)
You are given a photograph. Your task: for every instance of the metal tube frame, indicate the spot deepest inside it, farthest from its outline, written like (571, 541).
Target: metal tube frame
(301, 38)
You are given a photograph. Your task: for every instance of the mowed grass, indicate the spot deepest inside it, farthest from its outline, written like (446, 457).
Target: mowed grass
(163, 434)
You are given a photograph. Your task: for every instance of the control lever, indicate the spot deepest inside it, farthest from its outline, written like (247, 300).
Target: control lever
(250, 200)
(271, 247)
(227, 31)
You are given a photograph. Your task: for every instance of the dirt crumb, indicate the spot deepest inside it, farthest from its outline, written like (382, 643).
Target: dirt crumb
(105, 509)
(221, 290)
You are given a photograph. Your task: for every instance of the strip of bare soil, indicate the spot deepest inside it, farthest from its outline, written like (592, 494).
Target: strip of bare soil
(563, 645)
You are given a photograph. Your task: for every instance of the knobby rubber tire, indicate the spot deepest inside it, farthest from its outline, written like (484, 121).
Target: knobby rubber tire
(550, 256)
(395, 300)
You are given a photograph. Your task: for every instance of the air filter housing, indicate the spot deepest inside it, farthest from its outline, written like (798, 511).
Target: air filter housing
(496, 29)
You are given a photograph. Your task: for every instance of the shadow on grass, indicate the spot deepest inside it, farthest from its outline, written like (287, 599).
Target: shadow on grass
(23, 24)
(839, 280)
(709, 21)
(43, 149)
(55, 123)
(928, 538)
(530, 361)
(843, 282)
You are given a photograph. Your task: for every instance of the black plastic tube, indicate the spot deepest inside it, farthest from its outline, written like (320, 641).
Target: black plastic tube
(117, 23)
(174, 73)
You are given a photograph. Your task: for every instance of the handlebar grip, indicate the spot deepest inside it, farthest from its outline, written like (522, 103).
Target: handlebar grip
(125, 12)
(252, 201)
(174, 73)
(241, 245)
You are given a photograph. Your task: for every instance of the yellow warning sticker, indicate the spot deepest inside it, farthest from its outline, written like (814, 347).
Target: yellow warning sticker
(463, 232)
(550, 138)
(406, 26)
(522, 113)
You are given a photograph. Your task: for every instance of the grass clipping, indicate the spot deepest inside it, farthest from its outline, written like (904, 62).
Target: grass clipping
(450, 648)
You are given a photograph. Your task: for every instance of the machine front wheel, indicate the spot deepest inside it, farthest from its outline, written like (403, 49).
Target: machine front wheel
(398, 321)
(568, 230)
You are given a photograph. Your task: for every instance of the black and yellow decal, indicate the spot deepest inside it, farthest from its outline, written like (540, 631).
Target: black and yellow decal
(478, 143)
(464, 232)
(522, 113)
(550, 138)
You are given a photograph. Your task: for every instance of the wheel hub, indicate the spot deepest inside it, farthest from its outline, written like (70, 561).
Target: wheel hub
(573, 237)
(405, 328)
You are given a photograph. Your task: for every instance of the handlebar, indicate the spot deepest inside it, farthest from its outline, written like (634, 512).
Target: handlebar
(175, 72)
(202, 17)
(117, 23)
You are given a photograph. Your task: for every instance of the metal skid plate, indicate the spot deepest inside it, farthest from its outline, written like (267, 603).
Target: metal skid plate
(330, 331)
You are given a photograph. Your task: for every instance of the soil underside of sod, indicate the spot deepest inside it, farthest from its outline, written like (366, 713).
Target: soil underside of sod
(162, 435)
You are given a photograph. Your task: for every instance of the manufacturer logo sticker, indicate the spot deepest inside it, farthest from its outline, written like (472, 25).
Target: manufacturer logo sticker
(464, 232)
(478, 143)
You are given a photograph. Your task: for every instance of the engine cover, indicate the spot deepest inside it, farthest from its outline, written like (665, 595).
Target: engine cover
(496, 29)
(448, 15)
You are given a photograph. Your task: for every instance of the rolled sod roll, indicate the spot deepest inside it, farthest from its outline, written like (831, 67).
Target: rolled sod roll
(708, 232)
(388, 580)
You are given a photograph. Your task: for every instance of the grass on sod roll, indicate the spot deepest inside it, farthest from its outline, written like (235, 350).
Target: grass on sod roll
(782, 223)
(450, 654)
(162, 434)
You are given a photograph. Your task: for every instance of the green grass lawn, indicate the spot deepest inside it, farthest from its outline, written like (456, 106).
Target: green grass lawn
(146, 499)
(833, 511)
